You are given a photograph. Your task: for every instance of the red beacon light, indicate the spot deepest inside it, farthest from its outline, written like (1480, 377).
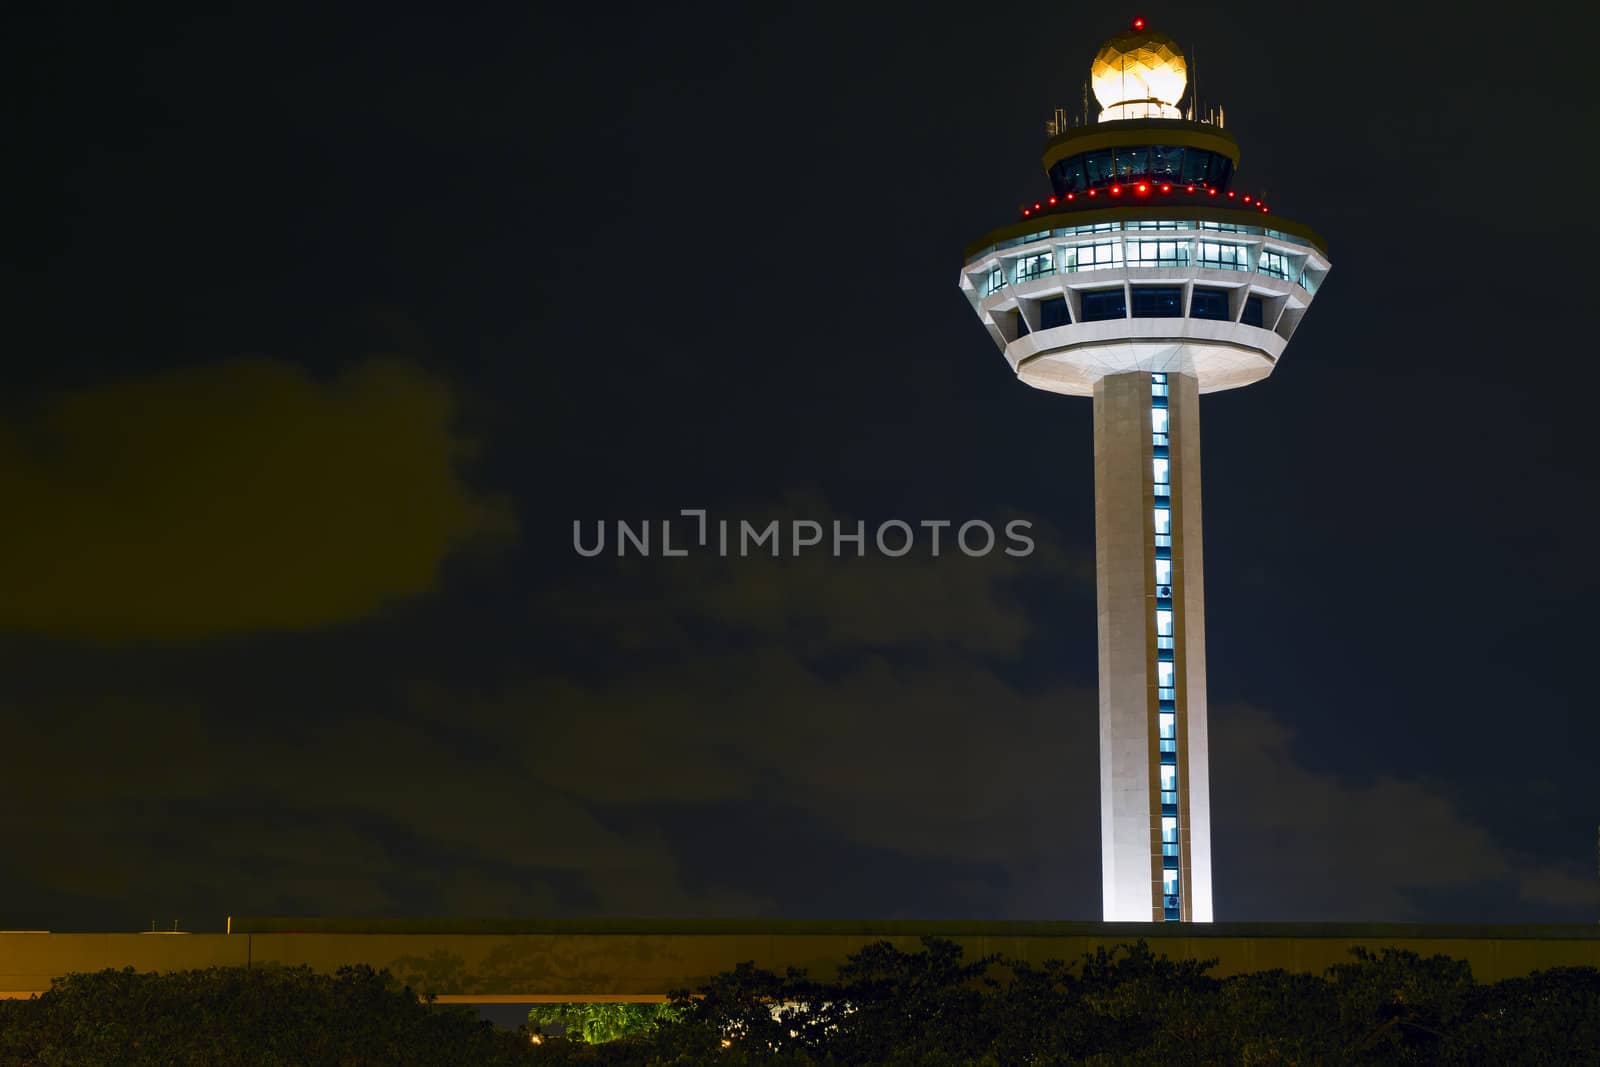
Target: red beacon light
(1052, 200)
(1211, 192)
(1116, 190)
(1093, 193)
(1026, 212)
(1247, 199)
(1138, 24)
(1230, 194)
(1143, 188)
(1071, 196)
(1165, 188)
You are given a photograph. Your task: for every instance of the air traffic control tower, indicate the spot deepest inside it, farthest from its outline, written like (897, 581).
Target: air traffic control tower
(1144, 280)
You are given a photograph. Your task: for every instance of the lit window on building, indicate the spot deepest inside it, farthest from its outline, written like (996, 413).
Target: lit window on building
(1274, 263)
(1038, 266)
(1158, 253)
(1097, 255)
(1215, 255)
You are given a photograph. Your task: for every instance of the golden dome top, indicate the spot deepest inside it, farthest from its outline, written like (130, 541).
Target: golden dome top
(1139, 74)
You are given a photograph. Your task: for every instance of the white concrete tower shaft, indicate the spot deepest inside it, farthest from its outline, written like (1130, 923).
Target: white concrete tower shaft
(1155, 811)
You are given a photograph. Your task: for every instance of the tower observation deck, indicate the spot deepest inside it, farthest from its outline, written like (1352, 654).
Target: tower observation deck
(1142, 280)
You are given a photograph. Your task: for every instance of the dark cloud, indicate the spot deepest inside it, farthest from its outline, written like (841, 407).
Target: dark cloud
(243, 495)
(879, 769)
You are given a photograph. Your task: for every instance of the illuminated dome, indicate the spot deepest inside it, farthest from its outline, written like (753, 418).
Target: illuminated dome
(1139, 74)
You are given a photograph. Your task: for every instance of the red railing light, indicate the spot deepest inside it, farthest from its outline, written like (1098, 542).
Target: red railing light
(1191, 188)
(1230, 194)
(1070, 196)
(1036, 207)
(1052, 199)
(1091, 192)
(1143, 188)
(1116, 190)
(1166, 188)
(1025, 211)
(1211, 192)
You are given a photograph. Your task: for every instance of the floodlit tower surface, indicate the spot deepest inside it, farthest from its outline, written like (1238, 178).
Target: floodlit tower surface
(1144, 280)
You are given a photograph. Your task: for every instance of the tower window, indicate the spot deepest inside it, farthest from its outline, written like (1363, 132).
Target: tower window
(1209, 304)
(1275, 264)
(1095, 256)
(1158, 253)
(1102, 304)
(1215, 255)
(1254, 311)
(1031, 267)
(1053, 312)
(1157, 302)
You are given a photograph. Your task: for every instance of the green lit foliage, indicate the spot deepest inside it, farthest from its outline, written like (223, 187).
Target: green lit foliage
(598, 1023)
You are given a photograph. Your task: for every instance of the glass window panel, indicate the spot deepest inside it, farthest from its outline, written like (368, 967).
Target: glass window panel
(1169, 724)
(1133, 161)
(1157, 301)
(1163, 520)
(1169, 776)
(1158, 420)
(1164, 623)
(1164, 675)
(1160, 468)
(1098, 167)
(1163, 572)
(1053, 312)
(1209, 304)
(1037, 266)
(1195, 164)
(1169, 827)
(1101, 304)
(1067, 175)
(1166, 161)
(1253, 311)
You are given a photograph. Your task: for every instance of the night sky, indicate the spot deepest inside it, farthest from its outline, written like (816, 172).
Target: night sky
(325, 325)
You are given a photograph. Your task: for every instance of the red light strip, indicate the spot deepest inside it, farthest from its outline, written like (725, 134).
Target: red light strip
(1143, 189)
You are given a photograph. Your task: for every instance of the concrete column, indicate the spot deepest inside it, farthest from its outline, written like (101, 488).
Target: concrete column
(1124, 575)
(1130, 813)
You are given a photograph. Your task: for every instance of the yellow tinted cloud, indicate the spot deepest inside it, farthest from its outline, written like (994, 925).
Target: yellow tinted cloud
(241, 496)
